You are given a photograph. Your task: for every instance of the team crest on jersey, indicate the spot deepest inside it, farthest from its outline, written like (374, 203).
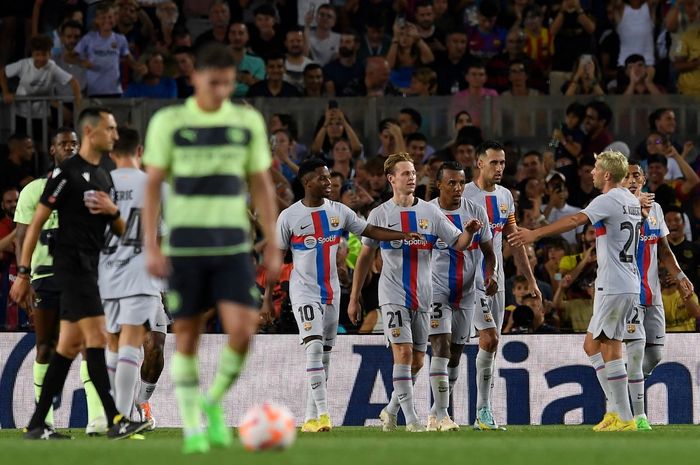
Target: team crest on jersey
(487, 317)
(307, 326)
(503, 208)
(631, 328)
(652, 220)
(335, 221)
(434, 323)
(423, 224)
(396, 332)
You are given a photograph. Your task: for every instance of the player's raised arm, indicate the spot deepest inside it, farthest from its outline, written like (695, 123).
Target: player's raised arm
(518, 237)
(379, 233)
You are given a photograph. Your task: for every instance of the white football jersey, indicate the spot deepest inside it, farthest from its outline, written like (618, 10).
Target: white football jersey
(313, 234)
(653, 229)
(406, 271)
(122, 269)
(499, 208)
(454, 271)
(617, 218)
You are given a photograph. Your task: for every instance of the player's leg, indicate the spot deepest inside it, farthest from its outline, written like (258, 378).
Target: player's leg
(69, 342)
(655, 329)
(488, 344)
(498, 310)
(440, 337)
(46, 323)
(111, 309)
(635, 339)
(151, 369)
(330, 332)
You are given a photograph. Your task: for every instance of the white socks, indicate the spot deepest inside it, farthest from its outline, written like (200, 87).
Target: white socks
(403, 390)
(316, 375)
(652, 356)
(617, 379)
(111, 359)
(440, 386)
(126, 377)
(484, 374)
(635, 357)
(599, 367)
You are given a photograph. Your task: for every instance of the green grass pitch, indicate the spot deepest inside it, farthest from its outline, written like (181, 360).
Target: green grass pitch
(541, 445)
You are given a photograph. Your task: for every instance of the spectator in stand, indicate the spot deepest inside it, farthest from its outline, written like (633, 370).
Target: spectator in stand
(569, 138)
(265, 37)
(184, 58)
(295, 61)
(586, 78)
(635, 27)
(576, 312)
(680, 314)
(375, 82)
(656, 144)
(681, 16)
(639, 78)
(531, 192)
(9, 313)
(486, 40)
(284, 158)
(167, 15)
(675, 191)
(250, 69)
(134, 24)
(687, 253)
(182, 38)
(533, 166)
(539, 44)
(341, 156)
(686, 61)
(39, 76)
(17, 169)
(339, 72)
(663, 122)
(597, 118)
(333, 127)
(375, 42)
(608, 46)
(410, 122)
(424, 15)
(101, 51)
(407, 52)
(465, 155)
(572, 30)
(557, 206)
(153, 84)
(444, 19)
(451, 64)
(498, 67)
(377, 185)
(423, 83)
(313, 81)
(584, 191)
(322, 42)
(518, 77)
(274, 85)
(68, 59)
(416, 145)
(476, 78)
(512, 13)
(220, 18)
(390, 137)
(554, 250)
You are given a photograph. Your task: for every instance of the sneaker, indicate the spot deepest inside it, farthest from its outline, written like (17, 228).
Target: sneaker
(324, 423)
(310, 426)
(97, 427)
(195, 444)
(219, 434)
(432, 425)
(123, 427)
(620, 425)
(415, 427)
(642, 422)
(607, 420)
(146, 415)
(388, 421)
(484, 420)
(446, 424)
(44, 433)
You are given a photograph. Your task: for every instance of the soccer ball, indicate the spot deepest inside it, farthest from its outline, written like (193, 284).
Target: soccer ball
(267, 426)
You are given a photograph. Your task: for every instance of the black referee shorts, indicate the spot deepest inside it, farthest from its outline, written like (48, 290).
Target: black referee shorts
(198, 283)
(75, 272)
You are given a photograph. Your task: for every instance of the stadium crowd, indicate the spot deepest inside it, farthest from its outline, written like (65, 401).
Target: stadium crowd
(587, 49)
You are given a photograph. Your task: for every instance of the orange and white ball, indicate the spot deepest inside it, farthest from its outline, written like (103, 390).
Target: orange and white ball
(267, 426)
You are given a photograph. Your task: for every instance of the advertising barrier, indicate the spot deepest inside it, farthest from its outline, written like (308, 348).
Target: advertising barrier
(538, 380)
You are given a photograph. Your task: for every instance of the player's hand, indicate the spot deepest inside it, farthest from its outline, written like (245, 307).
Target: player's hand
(491, 286)
(8, 98)
(272, 262)
(157, 263)
(535, 291)
(21, 292)
(473, 226)
(354, 311)
(521, 236)
(413, 236)
(686, 288)
(100, 203)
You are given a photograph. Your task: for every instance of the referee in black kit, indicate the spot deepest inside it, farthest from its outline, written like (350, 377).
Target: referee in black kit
(82, 193)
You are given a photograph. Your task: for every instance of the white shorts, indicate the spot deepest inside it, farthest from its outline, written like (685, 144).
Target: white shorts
(457, 321)
(655, 325)
(611, 313)
(405, 326)
(135, 310)
(634, 324)
(498, 308)
(482, 317)
(317, 319)
(163, 320)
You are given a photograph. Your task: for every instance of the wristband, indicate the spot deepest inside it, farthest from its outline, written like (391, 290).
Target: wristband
(116, 215)
(23, 270)
(681, 276)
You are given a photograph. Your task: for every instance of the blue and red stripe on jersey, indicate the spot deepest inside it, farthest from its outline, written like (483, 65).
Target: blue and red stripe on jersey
(455, 275)
(325, 240)
(600, 229)
(647, 240)
(494, 213)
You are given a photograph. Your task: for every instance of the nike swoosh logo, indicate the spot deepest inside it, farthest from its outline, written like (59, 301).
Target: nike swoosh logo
(392, 225)
(659, 337)
(159, 326)
(304, 227)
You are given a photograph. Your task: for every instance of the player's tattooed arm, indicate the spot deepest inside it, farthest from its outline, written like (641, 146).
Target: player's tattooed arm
(669, 261)
(490, 282)
(465, 239)
(379, 233)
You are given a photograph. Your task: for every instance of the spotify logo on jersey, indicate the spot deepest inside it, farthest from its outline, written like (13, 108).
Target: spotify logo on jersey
(310, 242)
